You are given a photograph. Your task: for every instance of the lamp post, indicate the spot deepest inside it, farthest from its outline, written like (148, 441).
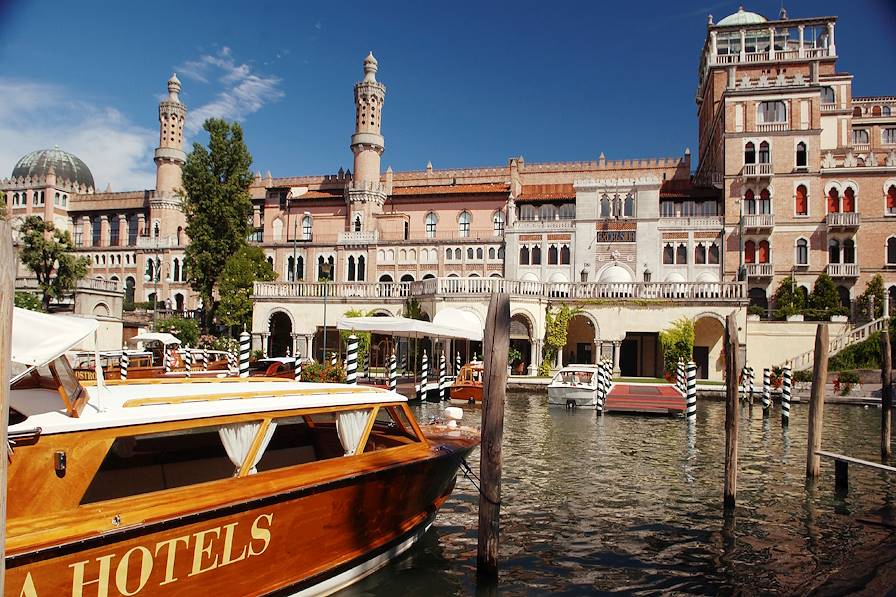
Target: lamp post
(156, 272)
(325, 276)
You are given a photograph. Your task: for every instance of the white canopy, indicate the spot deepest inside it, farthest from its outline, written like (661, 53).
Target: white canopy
(407, 328)
(38, 338)
(162, 337)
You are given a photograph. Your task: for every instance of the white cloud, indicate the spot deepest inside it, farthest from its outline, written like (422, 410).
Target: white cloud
(244, 91)
(35, 115)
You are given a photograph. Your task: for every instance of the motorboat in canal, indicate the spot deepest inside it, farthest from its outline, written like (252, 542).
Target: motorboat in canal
(210, 486)
(574, 385)
(467, 386)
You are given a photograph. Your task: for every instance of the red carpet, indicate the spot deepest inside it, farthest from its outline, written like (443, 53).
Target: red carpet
(648, 398)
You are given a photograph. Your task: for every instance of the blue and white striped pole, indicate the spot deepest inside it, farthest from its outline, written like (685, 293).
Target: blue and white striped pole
(766, 391)
(393, 372)
(443, 377)
(123, 366)
(785, 396)
(351, 361)
(245, 345)
(692, 391)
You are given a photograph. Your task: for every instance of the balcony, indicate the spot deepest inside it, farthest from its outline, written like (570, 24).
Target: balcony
(358, 238)
(760, 270)
(772, 127)
(861, 147)
(843, 270)
(158, 242)
(544, 224)
(842, 220)
(692, 222)
(757, 170)
(759, 221)
(775, 56)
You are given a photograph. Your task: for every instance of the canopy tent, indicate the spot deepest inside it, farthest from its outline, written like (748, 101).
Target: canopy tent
(408, 328)
(162, 337)
(38, 338)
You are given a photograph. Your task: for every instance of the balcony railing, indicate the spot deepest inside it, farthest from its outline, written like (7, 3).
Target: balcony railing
(843, 270)
(859, 147)
(842, 220)
(754, 170)
(772, 127)
(157, 242)
(777, 55)
(760, 270)
(544, 224)
(441, 287)
(692, 222)
(759, 221)
(97, 284)
(358, 238)
(828, 107)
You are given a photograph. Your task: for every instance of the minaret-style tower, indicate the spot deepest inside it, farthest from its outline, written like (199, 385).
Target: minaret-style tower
(169, 155)
(366, 193)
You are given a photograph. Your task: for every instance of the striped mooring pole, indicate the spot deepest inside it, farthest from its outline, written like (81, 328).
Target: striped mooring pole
(188, 361)
(443, 377)
(333, 359)
(679, 377)
(205, 359)
(692, 391)
(351, 361)
(785, 397)
(297, 365)
(766, 390)
(245, 343)
(393, 372)
(167, 360)
(751, 387)
(743, 382)
(600, 388)
(231, 363)
(424, 376)
(123, 366)
(457, 364)
(608, 379)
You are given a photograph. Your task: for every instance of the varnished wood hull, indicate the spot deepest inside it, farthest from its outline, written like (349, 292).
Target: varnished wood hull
(466, 393)
(281, 541)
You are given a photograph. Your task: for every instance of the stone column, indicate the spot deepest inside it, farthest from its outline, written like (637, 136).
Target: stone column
(123, 231)
(294, 351)
(266, 343)
(743, 46)
(771, 43)
(309, 346)
(141, 225)
(616, 370)
(105, 231)
(802, 51)
(536, 357)
(595, 351)
(832, 47)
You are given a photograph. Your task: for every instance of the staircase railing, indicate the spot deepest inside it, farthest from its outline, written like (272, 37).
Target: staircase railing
(853, 336)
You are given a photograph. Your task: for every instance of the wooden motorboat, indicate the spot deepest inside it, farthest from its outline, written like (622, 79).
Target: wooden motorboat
(467, 386)
(574, 385)
(213, 486)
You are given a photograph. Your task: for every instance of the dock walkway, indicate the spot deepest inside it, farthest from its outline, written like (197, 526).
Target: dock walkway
(661, 399)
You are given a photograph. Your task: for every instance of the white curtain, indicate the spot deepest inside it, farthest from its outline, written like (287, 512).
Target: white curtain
(349, 426)
(237, 440)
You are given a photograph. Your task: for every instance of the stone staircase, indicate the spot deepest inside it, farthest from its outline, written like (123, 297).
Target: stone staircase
(853, 336)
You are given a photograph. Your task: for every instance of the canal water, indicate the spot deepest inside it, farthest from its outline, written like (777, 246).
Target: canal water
(632, 504)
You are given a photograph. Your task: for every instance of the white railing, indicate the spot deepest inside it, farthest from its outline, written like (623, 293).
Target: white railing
(760, 270)
(843, 270)
(849, 219)
(816, 52)
(759, 221)
(756, 56)
(806, 359)
(786, 54)
(757, 169)
(861, 147)
(358, 238)
(97, 284)
(692, 222)
(158, 242)
(828, 107)
(544, 224)
(764, 56)
(440, 287)
(772, 127)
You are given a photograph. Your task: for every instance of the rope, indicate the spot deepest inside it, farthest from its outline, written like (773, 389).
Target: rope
(470, 475)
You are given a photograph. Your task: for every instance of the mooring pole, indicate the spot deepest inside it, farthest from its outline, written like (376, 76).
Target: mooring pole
(886, 395)
(494, 362)
(7, 284)
(816, 401)
(732, 404)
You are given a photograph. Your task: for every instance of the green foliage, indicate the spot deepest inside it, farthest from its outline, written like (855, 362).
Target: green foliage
(256, 354)
(846, 379)
(556, 324)
(861, 355)
(241, 270)
(873, 294)
(678, 343)
(514, 356)
(363, 337)
(804, 376)
(46, 251)
(217, 205)
(824, 300)
(788, 300)
(323, 373)
(756, 310)
(186, 330)
(26, 300)
(210, 342)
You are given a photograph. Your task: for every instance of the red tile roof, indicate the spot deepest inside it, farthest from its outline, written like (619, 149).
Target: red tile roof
(547, 191)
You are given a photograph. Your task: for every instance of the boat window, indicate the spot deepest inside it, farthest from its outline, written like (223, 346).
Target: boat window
(575, 377)
(300, 440)
(138, 464)
(15, 417)
(390, 429)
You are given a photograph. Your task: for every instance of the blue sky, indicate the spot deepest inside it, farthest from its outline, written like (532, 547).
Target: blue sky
(468, 84)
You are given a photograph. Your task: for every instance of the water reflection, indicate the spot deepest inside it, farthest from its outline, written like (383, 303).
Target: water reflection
(633, 504)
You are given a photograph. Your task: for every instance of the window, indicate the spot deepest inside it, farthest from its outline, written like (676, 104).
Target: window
(300, 268)
(891, 250)
(857, 112)
(95, 231)
(457, 254)
(667, 209)
(351, 268)
(498, 223)
(325, 267)
(827, 95)
(431, 221)
(568, 211)
(849, 251)
(700, 254)
(749, 202)
(553, 255)
(391, 429)
(527, 213)
(802, 159)
(681, 254)
(802, 251)
(888, 136)
(886, 111)
(890, 208)
(764, 253)
(306, 228)
(849, 200)
(833, 251)
(564, 255)
(765, 202)
(668, 254)
(769, 112)
(536, 255)
(38, 197)
(750, 251)
(629, 209)
(764, 153)
(860, 137)
(524, 255)
(714, 254)
(479, 253)
(448, 254)
(801, 201)
(750, 153)
(605, 207)
(491, 253)
(463, 224)
(833, 201)
(407, 230)
(469, 253)
(709, 208)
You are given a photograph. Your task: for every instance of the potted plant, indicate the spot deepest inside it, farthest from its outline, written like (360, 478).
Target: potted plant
(514, 360)
(845, 381)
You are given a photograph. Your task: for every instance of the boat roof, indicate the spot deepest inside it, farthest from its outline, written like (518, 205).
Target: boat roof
(582, 367)
(118, 405)
(163, 337)
(38, 338)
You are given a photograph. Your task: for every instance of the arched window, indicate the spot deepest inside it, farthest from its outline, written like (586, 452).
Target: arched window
(564, 255)
(407, 230)
(764, 255)
(801, 201)
(491, 252)
(407, 278)
(802, 251)
(568, 211)
(857, 112)
(750, 153)
(629, 209)
(802, 158)
(457, 254)
(448, 254)
(860, 137)
(500, 252)
(430, 222)
(833, 251)
(849, 200)
(772, 111)
(681, 254)
(524, 255)
(463, 224)
(833, 201)
(351, 268)
(668, 254)
(750, 252)
(176, 269)
(765, 202)
(300, 268)
(547, 212)
(886, 111)
(827, 95)
(553, 255)
(306, 228)
(749, 202)
(875, 110)
(498, 223)
(361, 273)
(325, 268)
(891, 250)
(290, 269)
(700, 254)
(605, 207)
(714, 254)
(891, 200)
(479, 253)
(527, 213)
(470, 253)
(536, 255)
(849, 251)
(764, 153)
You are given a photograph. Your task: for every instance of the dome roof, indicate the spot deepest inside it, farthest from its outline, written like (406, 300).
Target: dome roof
(743, 17)
(615, 273)
(65, 165)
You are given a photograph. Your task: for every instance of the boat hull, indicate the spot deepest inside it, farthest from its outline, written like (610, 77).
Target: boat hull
(562, 395)
(464, 394)
(307, 540)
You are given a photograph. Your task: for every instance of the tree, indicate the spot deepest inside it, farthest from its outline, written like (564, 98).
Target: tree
(678, 343)
(186, 330)
(873, 295)
(824, 300)
(556, 325)
(46, 251)
(26, 300)
(363, 337)
(241, 270)
(788, 299)
(217, 206)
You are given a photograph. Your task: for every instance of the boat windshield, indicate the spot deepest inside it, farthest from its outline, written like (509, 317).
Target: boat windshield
(575, 377)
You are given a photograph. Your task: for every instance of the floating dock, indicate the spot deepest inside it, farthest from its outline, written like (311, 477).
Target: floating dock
(653, 399)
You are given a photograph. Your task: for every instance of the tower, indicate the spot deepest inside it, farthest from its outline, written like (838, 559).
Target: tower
(366, 193)
(169, 155)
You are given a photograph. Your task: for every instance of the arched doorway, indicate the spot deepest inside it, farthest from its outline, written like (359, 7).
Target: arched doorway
(758, 299)
(129, 286)
(845, 300)
(521, 341)
(179, 302)
(708, 353)
(892, 292)
(580, 335)
(280, 327)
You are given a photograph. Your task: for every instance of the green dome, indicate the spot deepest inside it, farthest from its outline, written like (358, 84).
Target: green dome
(66, 166)
(743, 17)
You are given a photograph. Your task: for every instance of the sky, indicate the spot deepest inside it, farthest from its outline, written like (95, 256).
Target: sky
(468, 83)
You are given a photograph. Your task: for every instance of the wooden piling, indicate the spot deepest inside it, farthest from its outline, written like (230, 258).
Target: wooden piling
(494, 361)
(732, 367)
(7, 294)
(886, 396)
(816, 401)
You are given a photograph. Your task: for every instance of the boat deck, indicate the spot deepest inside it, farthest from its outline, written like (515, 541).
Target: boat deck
(655, 399)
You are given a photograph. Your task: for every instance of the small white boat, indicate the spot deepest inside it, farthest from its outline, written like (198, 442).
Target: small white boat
(574, 386)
